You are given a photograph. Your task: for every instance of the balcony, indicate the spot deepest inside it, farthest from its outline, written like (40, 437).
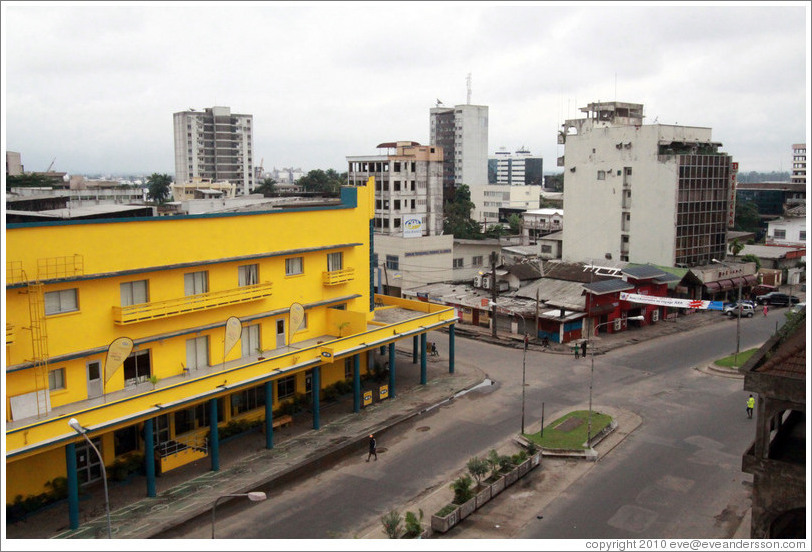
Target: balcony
(144, 312)
(338, 277)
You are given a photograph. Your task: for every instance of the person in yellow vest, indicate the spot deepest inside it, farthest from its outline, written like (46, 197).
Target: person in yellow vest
(751, 403)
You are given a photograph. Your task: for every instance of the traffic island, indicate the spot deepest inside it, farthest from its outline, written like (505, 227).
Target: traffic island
(573, 434)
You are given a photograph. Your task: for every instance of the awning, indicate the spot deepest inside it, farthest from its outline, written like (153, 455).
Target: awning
(713, 287)
(725, 285)
(738, 281)
(750, 280)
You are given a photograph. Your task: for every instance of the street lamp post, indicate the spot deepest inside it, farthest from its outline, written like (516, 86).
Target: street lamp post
(253, 496)
(77, 427)
(524, 363)
(739, 317)
(592, 374)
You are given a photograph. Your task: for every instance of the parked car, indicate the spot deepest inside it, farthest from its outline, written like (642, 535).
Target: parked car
(762, 289)
(777, 299)
(800, 307)
(732, 309)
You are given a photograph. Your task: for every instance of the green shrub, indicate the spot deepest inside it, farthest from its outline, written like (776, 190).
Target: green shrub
(414, 526)
(445, 510)
(493, 463)
(505, 463)
(532, 448)
(462, 489)
(391, 524)
(478, 467)
(518, 458)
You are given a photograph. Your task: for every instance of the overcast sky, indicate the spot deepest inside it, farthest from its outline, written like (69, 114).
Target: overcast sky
(95, 86)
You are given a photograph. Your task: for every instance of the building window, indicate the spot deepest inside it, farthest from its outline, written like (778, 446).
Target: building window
(197, 352)
(375, 259)
(294, 266)
(546, 248)
(134, 293)
(601, 175)
(64, 300)
(802, 235)
(196, 282)
(335, 261)
(56, 379)
(285, 387)
(476, 261)
(137, 367)
(249, 340)
(458, 263)
(392, 262)
(248, 400)
(125, 440)
(248, 275)
(779, 234)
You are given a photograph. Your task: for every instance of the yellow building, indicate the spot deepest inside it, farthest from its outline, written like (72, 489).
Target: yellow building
(146, 329)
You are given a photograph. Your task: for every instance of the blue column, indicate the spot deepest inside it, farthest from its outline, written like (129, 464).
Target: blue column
(356, 383)
(214, 439)
(316, 392)
(414, 350)
(73, 486)
(422, 359)
(149, 457)
(392, 370)
(268, 414)
(451, 349)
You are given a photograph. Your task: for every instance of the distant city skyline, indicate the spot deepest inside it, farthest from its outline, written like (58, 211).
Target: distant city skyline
(94, 89)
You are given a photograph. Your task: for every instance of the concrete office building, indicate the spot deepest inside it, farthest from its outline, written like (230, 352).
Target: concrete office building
(411, 249)
(495, 203)
(215, 144)
(462, 132)
(14, 164)
(515, 169)
(660, 194)
(798, 164)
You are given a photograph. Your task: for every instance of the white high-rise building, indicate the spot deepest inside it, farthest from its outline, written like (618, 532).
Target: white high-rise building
(798, 164)
(462, 132)
(215, 144)
(660, 194)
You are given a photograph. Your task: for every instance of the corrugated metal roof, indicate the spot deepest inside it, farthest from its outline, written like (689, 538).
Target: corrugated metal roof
(559, 293)
(608, 286)
(643, 271)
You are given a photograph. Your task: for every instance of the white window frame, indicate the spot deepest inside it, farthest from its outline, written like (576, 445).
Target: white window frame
(197, 352)
(249, 340)
(63, 300)
(294, 268)
(247, 275)
(134, 293)
(56, 379)
(195, 283)
(335, 261)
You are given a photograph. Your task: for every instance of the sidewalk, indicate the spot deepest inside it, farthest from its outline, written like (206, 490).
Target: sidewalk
(246, 465)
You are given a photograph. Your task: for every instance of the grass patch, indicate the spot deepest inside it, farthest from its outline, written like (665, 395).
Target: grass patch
(729, 362)
(569, 432)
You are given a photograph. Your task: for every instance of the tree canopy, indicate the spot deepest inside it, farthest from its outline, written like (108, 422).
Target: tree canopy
(327, 182)
(747, 219)
(457, 215)
(158, 185)
(267, 187)
(27, 180)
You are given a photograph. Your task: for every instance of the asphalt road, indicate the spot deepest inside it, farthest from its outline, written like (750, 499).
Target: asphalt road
(689, 444)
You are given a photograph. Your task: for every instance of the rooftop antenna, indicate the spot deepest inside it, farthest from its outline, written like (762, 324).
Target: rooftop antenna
(468, 81)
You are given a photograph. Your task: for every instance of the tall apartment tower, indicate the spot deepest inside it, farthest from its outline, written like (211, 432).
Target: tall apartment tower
(656, 193)
(462, 132)
(217, 144)
(798, 164)
(521, 168)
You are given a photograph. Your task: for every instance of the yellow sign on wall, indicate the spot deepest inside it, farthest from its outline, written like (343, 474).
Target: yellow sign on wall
(383, 392)
(367, 398)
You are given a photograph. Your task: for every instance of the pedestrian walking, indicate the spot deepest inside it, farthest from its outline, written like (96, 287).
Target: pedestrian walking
(583, 349)
(373, 448)
(751, 403)
(765, 309)
(576, 351)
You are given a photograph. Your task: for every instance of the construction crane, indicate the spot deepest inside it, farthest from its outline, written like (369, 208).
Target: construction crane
(51, 165)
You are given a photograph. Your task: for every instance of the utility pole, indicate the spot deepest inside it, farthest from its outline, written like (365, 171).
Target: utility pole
(493, 293)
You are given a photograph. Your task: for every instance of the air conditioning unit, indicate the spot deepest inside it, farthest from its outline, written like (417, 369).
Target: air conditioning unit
(477, 281)
(486, 282)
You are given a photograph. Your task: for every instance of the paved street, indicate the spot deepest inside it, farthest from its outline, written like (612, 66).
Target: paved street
(657, 380)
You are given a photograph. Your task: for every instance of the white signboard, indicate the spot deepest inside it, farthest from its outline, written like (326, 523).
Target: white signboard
(413, 227)
(671, 301)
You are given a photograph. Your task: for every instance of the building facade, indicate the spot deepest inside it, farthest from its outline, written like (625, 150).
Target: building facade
(179, 342)
(462, 132)
(14, 164)
(515, 169)
(215, 144)
(798, 164)
(495, 203)
(640, 193)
